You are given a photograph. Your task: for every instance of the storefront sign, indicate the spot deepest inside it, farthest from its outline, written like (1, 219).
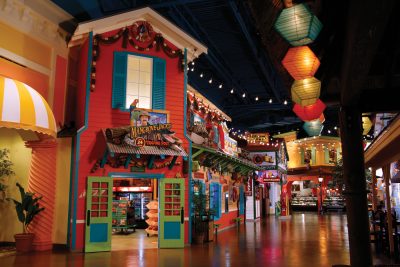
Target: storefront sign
(249, 188)
(198, 175)
(271, 180)
(256, 139)
(132, 189)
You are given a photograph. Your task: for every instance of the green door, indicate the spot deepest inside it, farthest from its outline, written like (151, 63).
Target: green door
(171, 221)
(98, 214)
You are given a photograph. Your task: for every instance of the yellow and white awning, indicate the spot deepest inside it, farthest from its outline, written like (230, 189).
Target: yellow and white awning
(21, 107)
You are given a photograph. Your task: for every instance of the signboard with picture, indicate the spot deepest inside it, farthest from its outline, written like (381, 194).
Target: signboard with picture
(264, 159)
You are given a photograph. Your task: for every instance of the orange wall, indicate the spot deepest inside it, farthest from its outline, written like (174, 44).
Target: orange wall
(36, 80)
(228, 219)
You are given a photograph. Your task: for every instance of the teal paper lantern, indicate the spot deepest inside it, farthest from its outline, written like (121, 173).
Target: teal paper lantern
(298, 25)
(313, 128)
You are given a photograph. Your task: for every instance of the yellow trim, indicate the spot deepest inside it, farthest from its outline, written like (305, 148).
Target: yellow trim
(2, 81)
(14, 125)
(27, 108)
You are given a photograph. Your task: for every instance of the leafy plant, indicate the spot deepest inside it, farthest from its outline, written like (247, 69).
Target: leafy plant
(5, 168)
(28, 208)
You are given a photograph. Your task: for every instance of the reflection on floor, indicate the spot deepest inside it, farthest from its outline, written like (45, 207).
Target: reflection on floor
(133, 240)
(304, 240)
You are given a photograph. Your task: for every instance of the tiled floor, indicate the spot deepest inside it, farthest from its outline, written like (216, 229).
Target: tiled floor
(137, 239)
(305, 240)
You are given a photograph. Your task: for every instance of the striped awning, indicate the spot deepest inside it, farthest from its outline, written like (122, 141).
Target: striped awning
(22, 107)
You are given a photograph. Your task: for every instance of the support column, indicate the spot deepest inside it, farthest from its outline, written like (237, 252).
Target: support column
(374, 191)
(42, 181)
(355, 193)
(386, 176)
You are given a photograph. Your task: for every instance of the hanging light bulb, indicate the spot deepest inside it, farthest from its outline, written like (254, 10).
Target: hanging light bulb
(270, 101)
(220, 86)
(192, 69)
(193, 63)
(232, 91)
(329, 131)
(188, 68)
(210, 81)
(201, 75)
(256, 98)
(335, 128)
(244, 95)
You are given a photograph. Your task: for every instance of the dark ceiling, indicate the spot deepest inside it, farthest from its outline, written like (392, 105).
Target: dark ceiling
(358, 49)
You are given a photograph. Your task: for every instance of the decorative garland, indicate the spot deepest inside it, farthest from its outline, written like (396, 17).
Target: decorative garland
(140, 36)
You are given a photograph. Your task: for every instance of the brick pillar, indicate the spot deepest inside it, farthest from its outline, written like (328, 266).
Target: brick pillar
(42, 181)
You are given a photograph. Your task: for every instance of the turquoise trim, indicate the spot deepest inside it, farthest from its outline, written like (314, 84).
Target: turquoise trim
(71, 177)
(78, 141)
(135, 175)
(190, 146)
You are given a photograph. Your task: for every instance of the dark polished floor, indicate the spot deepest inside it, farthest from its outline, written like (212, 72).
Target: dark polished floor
(305, 240)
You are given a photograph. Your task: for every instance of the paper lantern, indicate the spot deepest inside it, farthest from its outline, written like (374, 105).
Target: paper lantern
(310, 112)
(298, 25)
(306, 92)
(366, 124)
(301, 62)
(322, 118)
(313, 128)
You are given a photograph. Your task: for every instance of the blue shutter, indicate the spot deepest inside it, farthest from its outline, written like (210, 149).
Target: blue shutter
(119, 80)
(242, 199)
(159, 77)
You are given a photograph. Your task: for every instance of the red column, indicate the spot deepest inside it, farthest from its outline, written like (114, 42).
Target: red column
(42, 181)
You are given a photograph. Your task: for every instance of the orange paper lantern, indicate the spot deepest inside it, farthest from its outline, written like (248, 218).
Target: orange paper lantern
(301, 62)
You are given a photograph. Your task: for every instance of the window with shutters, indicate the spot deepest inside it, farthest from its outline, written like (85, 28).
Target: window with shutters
(138, 84)
(138, 77)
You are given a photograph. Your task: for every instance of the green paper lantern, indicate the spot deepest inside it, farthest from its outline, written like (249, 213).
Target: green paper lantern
(298, 25)
(313, 128)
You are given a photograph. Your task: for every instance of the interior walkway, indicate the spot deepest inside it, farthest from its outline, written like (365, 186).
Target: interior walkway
(305, 240)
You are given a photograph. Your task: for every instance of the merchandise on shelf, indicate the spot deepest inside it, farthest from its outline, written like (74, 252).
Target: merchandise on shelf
(152, 220)
(334, 203)
(122, 216)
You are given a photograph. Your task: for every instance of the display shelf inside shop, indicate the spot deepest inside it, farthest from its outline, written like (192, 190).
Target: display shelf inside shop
(334, 203)
(152, 220)
(120, 219)
(304, 203)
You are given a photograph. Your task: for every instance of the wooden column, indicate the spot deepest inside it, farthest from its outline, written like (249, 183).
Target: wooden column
(386, 176)
(355, 193)
(374, 191)
(42, 181)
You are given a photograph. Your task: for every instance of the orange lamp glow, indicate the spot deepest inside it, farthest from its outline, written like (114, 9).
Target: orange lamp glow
(306, 92)
(301, 62)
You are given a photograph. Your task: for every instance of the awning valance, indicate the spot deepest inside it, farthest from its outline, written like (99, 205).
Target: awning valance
(22, 107)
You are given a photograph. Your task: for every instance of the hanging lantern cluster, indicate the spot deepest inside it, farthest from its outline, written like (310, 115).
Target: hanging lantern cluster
(297, 25)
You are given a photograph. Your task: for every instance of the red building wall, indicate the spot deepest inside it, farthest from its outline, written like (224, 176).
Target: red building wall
(101, 116)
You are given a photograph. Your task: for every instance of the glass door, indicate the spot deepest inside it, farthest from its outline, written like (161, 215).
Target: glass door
(98, 214)
(171, 225)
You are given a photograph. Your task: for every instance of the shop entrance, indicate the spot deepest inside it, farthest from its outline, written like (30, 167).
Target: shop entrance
(134, 213)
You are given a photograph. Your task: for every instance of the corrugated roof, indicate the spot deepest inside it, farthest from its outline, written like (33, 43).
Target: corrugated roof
(146, 150)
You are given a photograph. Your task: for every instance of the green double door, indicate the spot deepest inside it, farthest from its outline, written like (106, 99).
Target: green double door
(99, 214)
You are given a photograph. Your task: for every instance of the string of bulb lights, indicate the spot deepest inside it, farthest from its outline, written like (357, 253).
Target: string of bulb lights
(220, 85)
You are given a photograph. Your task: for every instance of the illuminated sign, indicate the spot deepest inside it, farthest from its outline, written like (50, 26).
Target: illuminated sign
(255, 139)
(132, 189)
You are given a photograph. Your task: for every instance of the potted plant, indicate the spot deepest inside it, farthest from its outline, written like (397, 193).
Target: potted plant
(199, 208)
(238, 220)
(5, 171)
(26, 210)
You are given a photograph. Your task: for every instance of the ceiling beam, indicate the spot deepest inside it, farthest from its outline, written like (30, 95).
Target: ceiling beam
(365, 28)
(261, 59)
(214, 56)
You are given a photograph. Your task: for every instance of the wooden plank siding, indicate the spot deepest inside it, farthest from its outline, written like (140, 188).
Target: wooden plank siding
(101, 116)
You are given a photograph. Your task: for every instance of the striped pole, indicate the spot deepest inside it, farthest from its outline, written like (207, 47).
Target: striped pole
(42, 181)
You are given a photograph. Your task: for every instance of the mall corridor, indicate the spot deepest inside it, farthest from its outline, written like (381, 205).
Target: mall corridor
(304, 240)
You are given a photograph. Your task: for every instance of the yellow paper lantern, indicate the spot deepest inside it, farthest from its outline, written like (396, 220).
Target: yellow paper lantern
(366, 124)
(306, 92)
(301, 62)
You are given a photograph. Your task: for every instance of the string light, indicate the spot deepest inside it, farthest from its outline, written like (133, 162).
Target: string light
(192, 69)
(335, 128)
(270, 101)
(201, 75)
(329, 131)
(220, 86)
(193, 63)
(256, 98)
(244, 95)
(232, 91)
(285, 102)
(210, 81)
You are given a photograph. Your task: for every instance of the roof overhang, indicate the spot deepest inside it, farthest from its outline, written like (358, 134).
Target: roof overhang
(385, 149)
(172, 33)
